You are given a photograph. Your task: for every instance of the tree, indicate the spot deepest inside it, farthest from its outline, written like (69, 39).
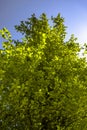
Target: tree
(42, 78)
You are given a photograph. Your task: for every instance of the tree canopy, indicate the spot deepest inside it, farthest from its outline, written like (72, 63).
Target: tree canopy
(42, 78)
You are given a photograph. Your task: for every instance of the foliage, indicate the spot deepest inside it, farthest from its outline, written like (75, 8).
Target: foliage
(42, 79)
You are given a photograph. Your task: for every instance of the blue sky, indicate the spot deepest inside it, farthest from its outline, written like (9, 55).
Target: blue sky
(73, 11)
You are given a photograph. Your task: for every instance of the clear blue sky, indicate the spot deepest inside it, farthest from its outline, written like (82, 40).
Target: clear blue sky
(74, 12)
